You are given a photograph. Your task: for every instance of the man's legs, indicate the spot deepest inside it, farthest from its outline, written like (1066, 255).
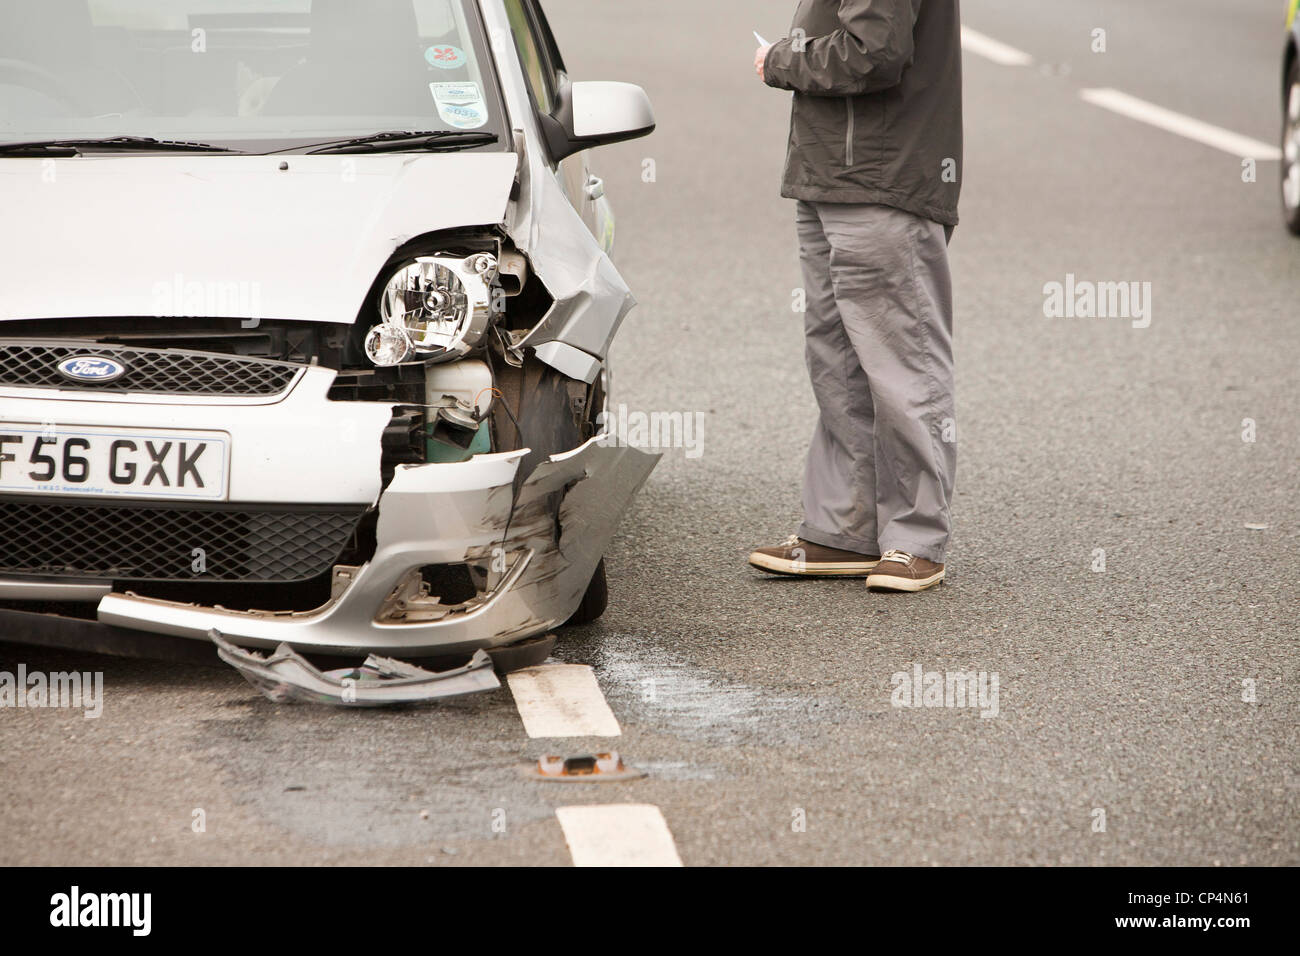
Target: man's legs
(839, 492)
(892, 292)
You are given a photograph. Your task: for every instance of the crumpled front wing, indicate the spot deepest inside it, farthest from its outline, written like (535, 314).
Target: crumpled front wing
(447, 514)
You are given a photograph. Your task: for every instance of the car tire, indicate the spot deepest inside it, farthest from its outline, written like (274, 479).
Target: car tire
(594, 602)
(1291, 149)
(596, 599)
(526, 653)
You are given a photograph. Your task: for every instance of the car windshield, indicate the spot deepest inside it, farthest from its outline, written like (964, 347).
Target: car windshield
(254, 75)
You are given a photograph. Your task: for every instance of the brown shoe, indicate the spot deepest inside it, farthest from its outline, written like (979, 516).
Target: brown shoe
(900, 571)
(805, 559)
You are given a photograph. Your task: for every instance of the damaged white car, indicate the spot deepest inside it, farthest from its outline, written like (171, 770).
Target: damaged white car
(304, 325)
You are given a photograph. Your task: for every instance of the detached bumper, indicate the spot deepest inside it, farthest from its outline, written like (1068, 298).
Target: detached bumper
(540, 547)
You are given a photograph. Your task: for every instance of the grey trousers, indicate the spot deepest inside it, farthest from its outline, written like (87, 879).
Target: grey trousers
(879, 347)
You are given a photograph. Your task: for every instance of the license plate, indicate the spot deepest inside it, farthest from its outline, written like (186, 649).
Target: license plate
(95, 462)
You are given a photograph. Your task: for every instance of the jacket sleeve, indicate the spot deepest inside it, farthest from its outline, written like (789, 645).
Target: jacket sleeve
(868, 53)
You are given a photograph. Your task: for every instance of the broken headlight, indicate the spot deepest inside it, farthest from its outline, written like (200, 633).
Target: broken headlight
(434, 309)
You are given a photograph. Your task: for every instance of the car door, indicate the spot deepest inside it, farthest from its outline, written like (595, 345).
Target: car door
(546, 75)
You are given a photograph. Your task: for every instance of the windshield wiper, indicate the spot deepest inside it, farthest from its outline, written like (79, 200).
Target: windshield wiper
(398, 140)
(72, 147)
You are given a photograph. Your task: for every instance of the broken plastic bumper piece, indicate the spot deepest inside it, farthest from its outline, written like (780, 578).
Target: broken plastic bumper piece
(287, 677)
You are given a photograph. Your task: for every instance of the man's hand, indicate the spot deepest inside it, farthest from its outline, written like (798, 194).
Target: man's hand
(760, 57)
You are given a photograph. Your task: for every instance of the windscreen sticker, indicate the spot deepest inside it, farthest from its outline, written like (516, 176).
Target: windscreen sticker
(460, 104)
(458, 93)
(446, 57)
(462, 117)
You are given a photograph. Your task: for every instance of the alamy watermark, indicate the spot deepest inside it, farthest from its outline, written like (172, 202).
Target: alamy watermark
(37, 689)
(654, 430)
(77, 909)
(951, 689)
(1081, 299)
(183, 298)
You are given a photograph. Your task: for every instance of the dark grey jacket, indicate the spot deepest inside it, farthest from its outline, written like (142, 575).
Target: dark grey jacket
(877, 104)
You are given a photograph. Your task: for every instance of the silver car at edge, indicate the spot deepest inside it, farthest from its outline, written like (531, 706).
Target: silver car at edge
(1291, 119)
(304, 326)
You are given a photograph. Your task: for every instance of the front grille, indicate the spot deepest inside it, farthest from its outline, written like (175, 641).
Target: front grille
(162, 542)
(161, 371)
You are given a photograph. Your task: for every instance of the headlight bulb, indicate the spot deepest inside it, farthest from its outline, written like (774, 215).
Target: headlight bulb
(441, 304)
(388, 345)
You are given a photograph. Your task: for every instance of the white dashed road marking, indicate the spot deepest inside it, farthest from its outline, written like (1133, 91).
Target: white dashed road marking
(565, 700)
(618, 834)
(992, 49)
(562, 700)
(1245, 147)
(1193, 129)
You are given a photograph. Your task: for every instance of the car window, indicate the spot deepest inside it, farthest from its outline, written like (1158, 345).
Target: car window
(548, 41)
(537, 70)
(252, 73)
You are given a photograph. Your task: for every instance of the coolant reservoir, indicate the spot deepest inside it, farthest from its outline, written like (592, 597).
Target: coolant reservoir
(459, 396)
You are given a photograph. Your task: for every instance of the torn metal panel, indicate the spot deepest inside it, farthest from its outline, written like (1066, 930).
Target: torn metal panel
(286, 677)
(591, 298)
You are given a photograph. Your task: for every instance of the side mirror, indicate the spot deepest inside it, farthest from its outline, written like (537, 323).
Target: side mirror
(594, 114)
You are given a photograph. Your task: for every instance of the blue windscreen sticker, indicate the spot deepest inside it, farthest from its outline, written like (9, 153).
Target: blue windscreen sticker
(460, 105)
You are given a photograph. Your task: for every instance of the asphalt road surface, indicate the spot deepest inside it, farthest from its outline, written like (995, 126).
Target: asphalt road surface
(761, 709)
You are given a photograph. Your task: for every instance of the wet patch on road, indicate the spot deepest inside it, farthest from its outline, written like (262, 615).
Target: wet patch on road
(399, 777)
(649, 687)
